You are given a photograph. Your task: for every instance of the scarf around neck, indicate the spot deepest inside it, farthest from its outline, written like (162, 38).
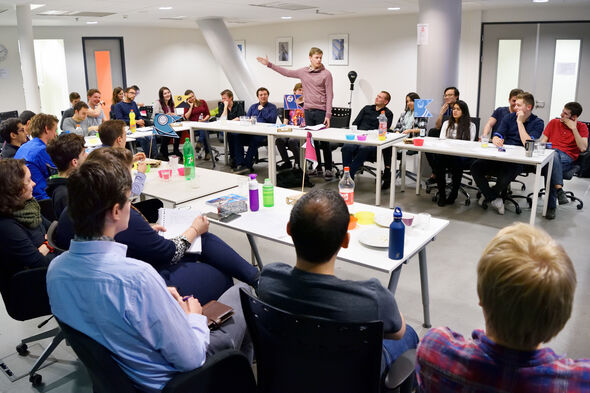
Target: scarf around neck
(30, 215)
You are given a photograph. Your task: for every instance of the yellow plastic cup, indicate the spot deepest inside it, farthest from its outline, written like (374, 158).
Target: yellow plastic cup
(365, 218)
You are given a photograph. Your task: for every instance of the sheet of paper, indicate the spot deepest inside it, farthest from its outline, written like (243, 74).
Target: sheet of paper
(176, 221)
(316, 127)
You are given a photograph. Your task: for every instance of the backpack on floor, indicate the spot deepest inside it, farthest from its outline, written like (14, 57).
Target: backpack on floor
(291, 178)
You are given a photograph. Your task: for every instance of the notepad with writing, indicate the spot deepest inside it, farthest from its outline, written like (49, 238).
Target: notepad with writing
(176, 221)
(317, 127)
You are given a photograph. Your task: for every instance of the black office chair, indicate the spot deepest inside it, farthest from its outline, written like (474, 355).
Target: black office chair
(226, 371)
(340, 119)
(47, 211)
(8, 115)
(25, 297)
(297, 353)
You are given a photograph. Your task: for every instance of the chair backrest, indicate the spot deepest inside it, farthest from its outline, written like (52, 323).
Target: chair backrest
(475, 120)
(304, 354)
(25, 294)
(340, 117)
(225, 371)
(47, 211)
(105, 373)
(146, 111)
(8, 115)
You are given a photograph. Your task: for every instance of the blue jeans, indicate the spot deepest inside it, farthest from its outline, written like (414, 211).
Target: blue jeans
(145, 141)
(561, 164)
(211, 274)
(202, 137)
(392, 349)
(252, 141)
(354, 156)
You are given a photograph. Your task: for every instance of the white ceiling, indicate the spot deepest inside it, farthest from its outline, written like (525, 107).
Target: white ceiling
(235, 12)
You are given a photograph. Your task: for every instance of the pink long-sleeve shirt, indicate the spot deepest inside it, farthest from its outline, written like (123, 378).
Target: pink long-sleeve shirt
(317, 86)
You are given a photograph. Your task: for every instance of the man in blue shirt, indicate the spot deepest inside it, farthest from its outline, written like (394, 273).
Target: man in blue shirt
(264, 112)
(498, 115)
(122, 111)
(123, 303)
(43, 129)
(515, 129)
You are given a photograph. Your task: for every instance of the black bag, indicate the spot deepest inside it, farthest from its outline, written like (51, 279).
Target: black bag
(292, 178)
(584, 162)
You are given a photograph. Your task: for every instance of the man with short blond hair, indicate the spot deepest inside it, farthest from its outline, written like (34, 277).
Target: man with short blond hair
(34, 152)
(526, 284)
(317, 84)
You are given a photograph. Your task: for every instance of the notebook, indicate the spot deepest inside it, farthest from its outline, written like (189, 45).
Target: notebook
(176, 221)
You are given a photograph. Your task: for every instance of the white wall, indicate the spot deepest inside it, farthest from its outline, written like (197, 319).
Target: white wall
(382, 49)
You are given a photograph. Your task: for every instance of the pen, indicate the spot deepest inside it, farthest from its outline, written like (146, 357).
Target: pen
(185, 298)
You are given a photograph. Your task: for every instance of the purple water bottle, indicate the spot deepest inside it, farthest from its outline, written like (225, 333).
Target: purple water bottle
(397, 234)
(253, 187)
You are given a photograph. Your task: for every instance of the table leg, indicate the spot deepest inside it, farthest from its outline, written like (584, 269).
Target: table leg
(191, 135)
(272, 160)
(393, 280)
(256, 260)
(378, 175)
(225, 149)
(393, 171)
(536, 188)
(208, 147)
(548, 184)
(402, 171)
(418, 171)
(132, 147)
(424, 287)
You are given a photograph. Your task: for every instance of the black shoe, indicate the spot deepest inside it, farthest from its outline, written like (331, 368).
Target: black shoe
(441, 200)
(386, 183)
(285, 166)
(452, 196)
(561, 197)
(550, 213)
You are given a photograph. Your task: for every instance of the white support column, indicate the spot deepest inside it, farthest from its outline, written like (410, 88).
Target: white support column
(229, 58)
(24, 25)
(438, 59)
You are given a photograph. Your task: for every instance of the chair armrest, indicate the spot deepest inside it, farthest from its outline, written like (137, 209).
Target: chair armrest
(403, 367)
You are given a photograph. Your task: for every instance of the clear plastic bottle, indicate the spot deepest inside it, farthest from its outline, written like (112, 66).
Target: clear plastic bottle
(132, 125)
(268, 194)
(189, 160)
(382, 126)
(253, 188)
(346, 187)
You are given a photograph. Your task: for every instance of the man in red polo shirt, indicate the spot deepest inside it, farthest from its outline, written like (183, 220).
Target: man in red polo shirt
(569, 137)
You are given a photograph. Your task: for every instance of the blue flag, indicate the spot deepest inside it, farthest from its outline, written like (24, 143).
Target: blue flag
(420, 109)
(162, 125)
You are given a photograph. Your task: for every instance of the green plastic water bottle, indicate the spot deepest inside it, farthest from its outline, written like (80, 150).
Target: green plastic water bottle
(189, 160)
(268, 194)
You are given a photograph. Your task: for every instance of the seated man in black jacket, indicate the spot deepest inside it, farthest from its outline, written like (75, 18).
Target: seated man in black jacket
(353, 156)
(67, 152)
(14, 134)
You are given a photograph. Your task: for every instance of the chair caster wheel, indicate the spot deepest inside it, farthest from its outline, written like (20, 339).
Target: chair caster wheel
(428, 190)
(579, 207)
(36, 379)
(22, 349)
(518, 210)
(467, 202)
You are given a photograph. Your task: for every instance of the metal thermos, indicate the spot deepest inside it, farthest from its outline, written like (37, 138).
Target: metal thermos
(529, 146)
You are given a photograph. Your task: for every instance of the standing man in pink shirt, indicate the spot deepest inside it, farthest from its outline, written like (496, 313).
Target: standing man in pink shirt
(317, 84)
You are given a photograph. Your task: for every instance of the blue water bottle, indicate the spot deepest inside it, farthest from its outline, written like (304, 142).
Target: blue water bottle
(397, 234)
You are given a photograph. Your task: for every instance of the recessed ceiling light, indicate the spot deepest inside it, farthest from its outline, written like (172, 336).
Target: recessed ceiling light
(540, 1)
(35, 6)
(92, 22)
(286, 17)
(394, 8)
(165, 8)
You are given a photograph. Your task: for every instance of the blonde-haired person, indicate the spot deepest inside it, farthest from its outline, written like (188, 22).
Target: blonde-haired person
(43, 129)
(317, 84)
(526, 283)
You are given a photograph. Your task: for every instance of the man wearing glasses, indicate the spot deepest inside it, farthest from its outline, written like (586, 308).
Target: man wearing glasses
(13, 132)
(451, 96)
(569, 138)
(122, 110)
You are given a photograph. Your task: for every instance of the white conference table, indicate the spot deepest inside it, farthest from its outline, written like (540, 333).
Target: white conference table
(270, 223)
(332, 135)
(178, 190)
(454, 147)
(94, 141)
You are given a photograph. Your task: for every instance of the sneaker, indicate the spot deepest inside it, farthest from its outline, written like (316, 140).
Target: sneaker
(328, 174)
(550, 213)
(481, 200)
(207, 156)
(498, 204)
(562, 198)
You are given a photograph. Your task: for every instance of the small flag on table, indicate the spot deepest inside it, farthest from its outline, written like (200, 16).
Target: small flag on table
(310, 149)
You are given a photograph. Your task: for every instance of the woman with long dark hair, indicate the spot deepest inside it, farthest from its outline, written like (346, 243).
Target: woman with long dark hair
(118, 94)
(165, 104)
(458, 126)
(198, 111)
(407, 123)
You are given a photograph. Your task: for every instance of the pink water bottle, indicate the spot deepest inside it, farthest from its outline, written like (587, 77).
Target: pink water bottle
(253, 187)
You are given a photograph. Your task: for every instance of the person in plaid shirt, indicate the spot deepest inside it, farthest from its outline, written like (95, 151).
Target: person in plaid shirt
(526, 284)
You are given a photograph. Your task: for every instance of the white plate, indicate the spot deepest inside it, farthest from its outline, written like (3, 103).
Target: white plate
(375, 237)
(384, 220)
